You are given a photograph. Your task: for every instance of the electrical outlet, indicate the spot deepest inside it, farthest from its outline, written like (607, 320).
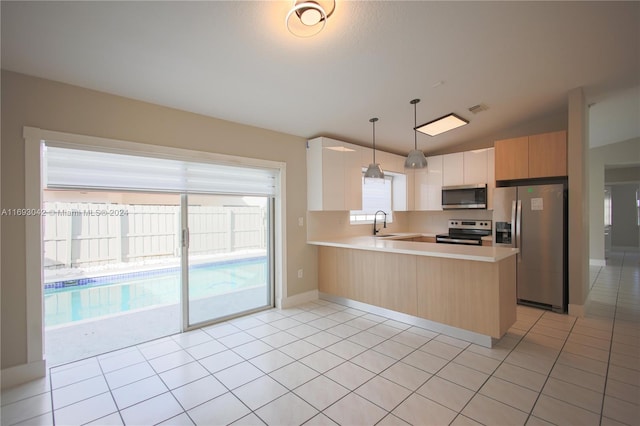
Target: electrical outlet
(299, 273)
(301, 221)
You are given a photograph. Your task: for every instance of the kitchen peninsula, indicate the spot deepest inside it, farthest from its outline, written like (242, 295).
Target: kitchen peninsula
(469, 291)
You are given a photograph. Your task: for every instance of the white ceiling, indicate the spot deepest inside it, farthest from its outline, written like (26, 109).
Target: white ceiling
(236, 61)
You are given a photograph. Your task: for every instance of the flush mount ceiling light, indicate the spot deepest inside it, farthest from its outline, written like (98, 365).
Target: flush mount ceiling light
(415, 159)
(442, 124)
(308, 17)
(374, 171)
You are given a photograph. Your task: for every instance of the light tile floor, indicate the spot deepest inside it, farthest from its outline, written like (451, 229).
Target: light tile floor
(323, 363)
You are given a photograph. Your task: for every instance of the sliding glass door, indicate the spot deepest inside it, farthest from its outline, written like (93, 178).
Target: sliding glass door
(150, 245)
(111, 270)
(115, 273)
(226, 268)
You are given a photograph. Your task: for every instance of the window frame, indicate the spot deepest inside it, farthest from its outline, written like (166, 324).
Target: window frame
(361, 217)
(34, 141)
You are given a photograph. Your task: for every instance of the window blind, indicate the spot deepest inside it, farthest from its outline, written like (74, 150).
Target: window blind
(68, 168)
(376, 196)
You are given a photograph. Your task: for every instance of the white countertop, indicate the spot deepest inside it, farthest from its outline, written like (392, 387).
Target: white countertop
(392, 245)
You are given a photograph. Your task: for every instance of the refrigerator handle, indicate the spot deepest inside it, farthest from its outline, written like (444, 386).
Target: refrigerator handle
(513, 221)
(518, 221)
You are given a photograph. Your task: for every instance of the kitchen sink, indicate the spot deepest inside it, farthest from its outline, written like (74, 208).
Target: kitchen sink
(386, 235)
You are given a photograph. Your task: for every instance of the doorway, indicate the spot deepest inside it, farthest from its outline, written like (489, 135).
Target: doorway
(123, 266)
(236, 231)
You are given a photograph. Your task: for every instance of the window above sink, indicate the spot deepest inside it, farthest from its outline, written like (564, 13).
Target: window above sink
(386, 196)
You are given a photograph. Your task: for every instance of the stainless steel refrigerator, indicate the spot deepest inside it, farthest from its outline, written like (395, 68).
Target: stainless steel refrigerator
(533, 218)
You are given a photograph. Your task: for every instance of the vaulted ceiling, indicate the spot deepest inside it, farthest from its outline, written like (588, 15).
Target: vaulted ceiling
(236, 61)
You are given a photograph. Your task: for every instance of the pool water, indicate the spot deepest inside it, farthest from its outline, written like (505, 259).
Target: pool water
(140, 290)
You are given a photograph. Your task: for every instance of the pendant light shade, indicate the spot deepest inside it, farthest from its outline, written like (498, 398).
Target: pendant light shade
(416, 158)
(374, 171)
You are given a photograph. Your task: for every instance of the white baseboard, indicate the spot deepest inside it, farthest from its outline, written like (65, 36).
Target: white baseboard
(23, 373)
(597, 262)
(298, 299)
(458, 333)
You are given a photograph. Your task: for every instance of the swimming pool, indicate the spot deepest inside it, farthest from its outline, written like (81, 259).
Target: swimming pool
(69, 301)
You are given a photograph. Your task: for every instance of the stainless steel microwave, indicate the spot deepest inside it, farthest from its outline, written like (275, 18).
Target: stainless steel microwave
(464, 197)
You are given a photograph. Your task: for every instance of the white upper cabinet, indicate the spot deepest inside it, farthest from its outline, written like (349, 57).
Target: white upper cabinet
(460, 168)
(428, 185)
(453, 169)
(388, 162)
(475, 166)
(334, 175)
(353, 177)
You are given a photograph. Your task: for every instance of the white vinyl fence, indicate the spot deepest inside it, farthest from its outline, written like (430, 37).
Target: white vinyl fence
(91, 234)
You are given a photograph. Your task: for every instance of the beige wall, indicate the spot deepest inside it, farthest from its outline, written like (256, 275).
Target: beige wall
(578, 215)
(625, 152)
(28, 101)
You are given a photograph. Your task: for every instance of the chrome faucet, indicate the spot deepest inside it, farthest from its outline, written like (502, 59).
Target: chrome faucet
(375, 216)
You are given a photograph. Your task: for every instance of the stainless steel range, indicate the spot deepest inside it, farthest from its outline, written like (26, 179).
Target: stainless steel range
(463, 231)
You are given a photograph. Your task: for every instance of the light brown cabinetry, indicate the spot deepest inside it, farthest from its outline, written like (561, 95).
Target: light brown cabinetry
(472, 295)
(536, 156)
(512, 158)
(548, 154)
(476, 296)
(381, 279)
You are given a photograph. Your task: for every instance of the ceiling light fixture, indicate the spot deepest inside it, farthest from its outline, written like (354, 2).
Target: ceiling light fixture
(415, 159)
(308, 17)
(442, 124)
(374, 171)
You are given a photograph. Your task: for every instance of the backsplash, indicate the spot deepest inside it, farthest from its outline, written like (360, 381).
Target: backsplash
(335, 224)
(438, 221)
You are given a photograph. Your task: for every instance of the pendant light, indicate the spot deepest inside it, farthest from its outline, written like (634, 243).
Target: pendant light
(415, 159)
(374, 171)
